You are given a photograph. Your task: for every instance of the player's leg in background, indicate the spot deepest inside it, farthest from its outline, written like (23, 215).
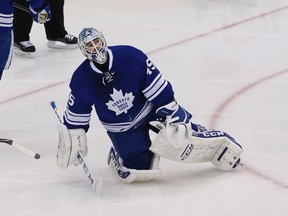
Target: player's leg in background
(22, 27)
(56, 33)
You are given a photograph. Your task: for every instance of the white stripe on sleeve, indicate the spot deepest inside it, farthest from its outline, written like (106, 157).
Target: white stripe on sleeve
(77, 119)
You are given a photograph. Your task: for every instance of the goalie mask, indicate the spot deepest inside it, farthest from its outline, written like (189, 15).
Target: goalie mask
(93, 45)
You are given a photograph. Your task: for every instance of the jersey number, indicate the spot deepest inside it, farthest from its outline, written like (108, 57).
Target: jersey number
(71, 100)
(150, 67)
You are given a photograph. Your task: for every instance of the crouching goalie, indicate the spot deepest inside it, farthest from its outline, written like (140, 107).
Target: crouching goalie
(131, 97)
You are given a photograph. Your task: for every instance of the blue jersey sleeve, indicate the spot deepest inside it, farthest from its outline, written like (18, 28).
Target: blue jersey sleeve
(6, 15)
(155, 87)
(6, 34)
(78, 113)
(79, 105)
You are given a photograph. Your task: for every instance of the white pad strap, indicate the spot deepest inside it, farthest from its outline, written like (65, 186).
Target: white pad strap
(127, 175)
(70, 142)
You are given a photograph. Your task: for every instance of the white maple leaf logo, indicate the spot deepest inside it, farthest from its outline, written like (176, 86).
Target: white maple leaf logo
(120, 103)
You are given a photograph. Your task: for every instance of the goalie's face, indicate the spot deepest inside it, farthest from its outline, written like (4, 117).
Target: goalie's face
(93, 45)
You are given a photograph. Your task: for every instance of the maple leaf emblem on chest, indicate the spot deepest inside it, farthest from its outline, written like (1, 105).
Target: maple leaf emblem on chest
(120, 103)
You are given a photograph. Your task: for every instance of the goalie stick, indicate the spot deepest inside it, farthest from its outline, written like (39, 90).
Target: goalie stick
(96, 183)
(20, 148)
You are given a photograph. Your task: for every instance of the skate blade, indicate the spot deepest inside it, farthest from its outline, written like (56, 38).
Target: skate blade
(60, 45)
(18, 52)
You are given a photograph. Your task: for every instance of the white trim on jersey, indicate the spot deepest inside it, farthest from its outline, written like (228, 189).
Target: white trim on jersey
(8, 62)
(6, 20)
(77, 119)
(110, 62)
(155, 88)
(159, 90)
(124, 126)
(95, 68)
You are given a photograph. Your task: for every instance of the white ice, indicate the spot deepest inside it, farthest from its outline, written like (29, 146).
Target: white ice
(228, 63)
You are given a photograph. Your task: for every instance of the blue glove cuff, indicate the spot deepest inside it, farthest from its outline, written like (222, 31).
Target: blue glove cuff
(175, 111)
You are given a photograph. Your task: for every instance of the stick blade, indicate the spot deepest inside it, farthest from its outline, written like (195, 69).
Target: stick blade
(7, 141)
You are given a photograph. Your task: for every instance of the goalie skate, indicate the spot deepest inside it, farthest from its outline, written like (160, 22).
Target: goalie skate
(127, 175)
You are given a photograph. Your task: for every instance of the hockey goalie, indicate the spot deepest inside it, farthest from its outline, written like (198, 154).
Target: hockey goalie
(131, 97)
(179, 142)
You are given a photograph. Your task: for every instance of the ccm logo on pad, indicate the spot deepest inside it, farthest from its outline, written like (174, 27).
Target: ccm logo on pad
(186, 152)
(213, 134)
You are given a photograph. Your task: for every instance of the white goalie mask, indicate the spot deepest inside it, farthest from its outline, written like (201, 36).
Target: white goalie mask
(93, 45)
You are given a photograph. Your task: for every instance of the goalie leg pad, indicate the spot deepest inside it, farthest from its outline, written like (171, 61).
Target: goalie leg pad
(227, 156)
(127, 175)
(70, 142)
(177, 143)
(192, 150)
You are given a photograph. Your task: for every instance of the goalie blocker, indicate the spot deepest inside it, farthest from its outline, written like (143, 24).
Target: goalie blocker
(71, 141)
(178, 142)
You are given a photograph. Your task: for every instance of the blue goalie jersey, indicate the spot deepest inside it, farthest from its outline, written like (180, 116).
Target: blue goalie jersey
(122, 96)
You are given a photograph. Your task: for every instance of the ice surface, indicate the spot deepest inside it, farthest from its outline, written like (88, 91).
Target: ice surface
(228, 63)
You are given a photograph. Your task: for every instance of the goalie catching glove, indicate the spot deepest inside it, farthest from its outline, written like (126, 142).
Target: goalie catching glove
(179, 142)
(71, 143)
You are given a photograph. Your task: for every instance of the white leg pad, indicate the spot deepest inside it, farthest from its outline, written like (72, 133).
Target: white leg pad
(193, 149)
(177, 143)
(227, 155)
(127, 175)
(70, 142)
